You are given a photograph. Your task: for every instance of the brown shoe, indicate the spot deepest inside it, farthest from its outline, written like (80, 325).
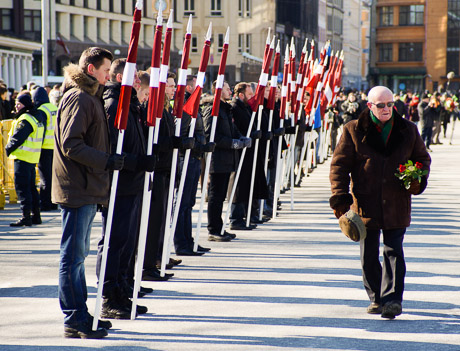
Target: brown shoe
(374, 308)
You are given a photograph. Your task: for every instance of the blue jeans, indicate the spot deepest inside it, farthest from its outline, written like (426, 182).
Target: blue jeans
(75, 243)
(183, 239)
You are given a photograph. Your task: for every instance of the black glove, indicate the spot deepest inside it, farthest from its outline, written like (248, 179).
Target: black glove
(237, 144)
(279, 132)
(146, 163)
(183, 143)
(247, 141)
(256, 134)
(290, 130)
(209, 147)
(115, 162)
(268, 136)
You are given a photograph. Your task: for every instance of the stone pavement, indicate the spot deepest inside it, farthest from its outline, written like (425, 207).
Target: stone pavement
(292, 284)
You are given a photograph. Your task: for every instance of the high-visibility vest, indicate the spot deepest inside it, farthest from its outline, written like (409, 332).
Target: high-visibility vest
(30, 150)
(51, 114)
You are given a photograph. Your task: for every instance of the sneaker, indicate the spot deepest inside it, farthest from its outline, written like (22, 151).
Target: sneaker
(374, 308)
(84, 331)
(218, 237)
(391, 309)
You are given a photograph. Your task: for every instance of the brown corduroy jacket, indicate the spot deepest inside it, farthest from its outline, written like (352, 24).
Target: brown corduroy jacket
(363, 171)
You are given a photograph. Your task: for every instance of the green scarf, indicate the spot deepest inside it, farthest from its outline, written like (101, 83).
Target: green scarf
(383, 128)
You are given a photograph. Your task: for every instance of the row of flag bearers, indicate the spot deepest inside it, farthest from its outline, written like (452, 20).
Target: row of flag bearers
(150, 204)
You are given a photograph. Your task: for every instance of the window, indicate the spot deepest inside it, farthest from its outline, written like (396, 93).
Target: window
(5, 20)
(189, 7)
(216, 8)
(111, 6)
(386, 16)
(386, 52)
(453, 37)
(85, 4)
(240, 8)
(248, 8)
(411, 52)
(32, 24)
(194, 44)
(72, 25)
(85, 27)
(99, 29)
(220, 40)
(411, 15)
(248, 43)
(240, 43)
(99, 5)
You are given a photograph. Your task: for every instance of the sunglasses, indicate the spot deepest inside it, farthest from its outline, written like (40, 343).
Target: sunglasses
(383, 104)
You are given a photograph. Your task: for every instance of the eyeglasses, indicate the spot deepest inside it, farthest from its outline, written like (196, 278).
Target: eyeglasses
(381, 105)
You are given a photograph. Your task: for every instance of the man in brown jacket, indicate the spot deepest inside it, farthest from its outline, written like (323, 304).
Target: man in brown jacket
(81, 166)
(367, 158)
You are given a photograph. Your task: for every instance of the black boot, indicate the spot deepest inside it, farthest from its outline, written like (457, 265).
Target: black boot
(36, 219)
(24, 221)
(112, 308)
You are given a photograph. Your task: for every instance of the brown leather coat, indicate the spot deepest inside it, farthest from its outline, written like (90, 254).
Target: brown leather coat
(363, 162)
(82, 143)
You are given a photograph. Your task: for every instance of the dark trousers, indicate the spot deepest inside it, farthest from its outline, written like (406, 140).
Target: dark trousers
(387, 284)
(24, 183)
(125, 226)
(157, 220)
(218, 184)
(427, 132)
(45, 167)
(183, 239)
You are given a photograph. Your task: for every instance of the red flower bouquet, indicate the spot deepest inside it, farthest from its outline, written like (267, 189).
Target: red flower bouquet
(409, 172)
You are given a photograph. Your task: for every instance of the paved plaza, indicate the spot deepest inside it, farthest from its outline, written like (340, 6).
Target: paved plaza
(294, 283)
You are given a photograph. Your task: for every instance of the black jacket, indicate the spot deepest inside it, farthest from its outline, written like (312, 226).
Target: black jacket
(198, 135)
(131, 179)
(224, 158)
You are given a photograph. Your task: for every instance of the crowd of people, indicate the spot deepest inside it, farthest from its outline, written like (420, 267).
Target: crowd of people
(69, 131)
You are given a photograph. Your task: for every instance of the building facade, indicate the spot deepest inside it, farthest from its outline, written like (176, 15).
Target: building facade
(417, 43)
(335, 17)
(352, 44)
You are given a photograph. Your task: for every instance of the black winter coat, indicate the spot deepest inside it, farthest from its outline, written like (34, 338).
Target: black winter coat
(131, 179)
(224, 158)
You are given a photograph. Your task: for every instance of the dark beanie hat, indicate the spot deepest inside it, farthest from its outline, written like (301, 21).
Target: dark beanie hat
(26, 100)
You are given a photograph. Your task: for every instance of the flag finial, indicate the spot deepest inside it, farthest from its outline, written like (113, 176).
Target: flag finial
(227, 36)
(209, 33)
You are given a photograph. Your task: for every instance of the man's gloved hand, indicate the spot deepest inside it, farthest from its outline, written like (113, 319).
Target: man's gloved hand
(183, 143)
(237, 144)
(290, 130)
(341, 210)
(279, 132)
(268, 136)
(209, 147)
(146, 163)
(115, 162)
(256, 134)
(247, 141)
(414, 187)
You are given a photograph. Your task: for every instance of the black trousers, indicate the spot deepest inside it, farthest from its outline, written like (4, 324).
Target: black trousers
(45, 167)
(24, 183)
(125, 227)
(387, 284)
(218, 184)
(157, 220)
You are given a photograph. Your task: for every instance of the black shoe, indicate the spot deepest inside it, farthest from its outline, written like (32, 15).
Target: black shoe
(84, 331)
(231, 235)
(174, 262)
(153, 275)
(189, 253)
(24, 221)
(100, 324)
(203, 249)
(146, 290)
(129, 290)
(266, 218)
(391, 309)
(36, 219)
(256, 220)
(218, 237)
(242, 227)
(112, 309)
(374, 308)
(128, 304)
(168, 266)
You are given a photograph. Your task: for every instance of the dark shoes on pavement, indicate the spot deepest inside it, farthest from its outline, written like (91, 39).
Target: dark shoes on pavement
(242, 227)
(153, 275)
(203, 249)
(221, 238)
(374, 308)
(189, 253)
(24, 221)
(84, 331)
(391, 309)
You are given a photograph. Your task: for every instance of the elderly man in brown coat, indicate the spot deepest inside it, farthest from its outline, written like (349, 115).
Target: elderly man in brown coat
(366, 159)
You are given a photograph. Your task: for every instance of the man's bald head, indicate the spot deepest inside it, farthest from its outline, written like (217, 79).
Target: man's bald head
(379, 93)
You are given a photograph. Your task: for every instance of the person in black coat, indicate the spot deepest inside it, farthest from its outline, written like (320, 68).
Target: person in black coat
(128, 200)
(242, 112)
(224, 160)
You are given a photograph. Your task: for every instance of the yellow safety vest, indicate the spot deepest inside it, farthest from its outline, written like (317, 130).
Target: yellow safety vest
(30, 150)
(51, 114)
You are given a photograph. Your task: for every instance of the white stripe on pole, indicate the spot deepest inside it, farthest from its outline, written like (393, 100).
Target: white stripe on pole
(154, 77)
(164, 73)
(220, 81)
(182, 80)
(128, 74)
(200, 79)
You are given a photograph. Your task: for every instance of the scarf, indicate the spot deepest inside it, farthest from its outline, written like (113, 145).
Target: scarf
(383, 128)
